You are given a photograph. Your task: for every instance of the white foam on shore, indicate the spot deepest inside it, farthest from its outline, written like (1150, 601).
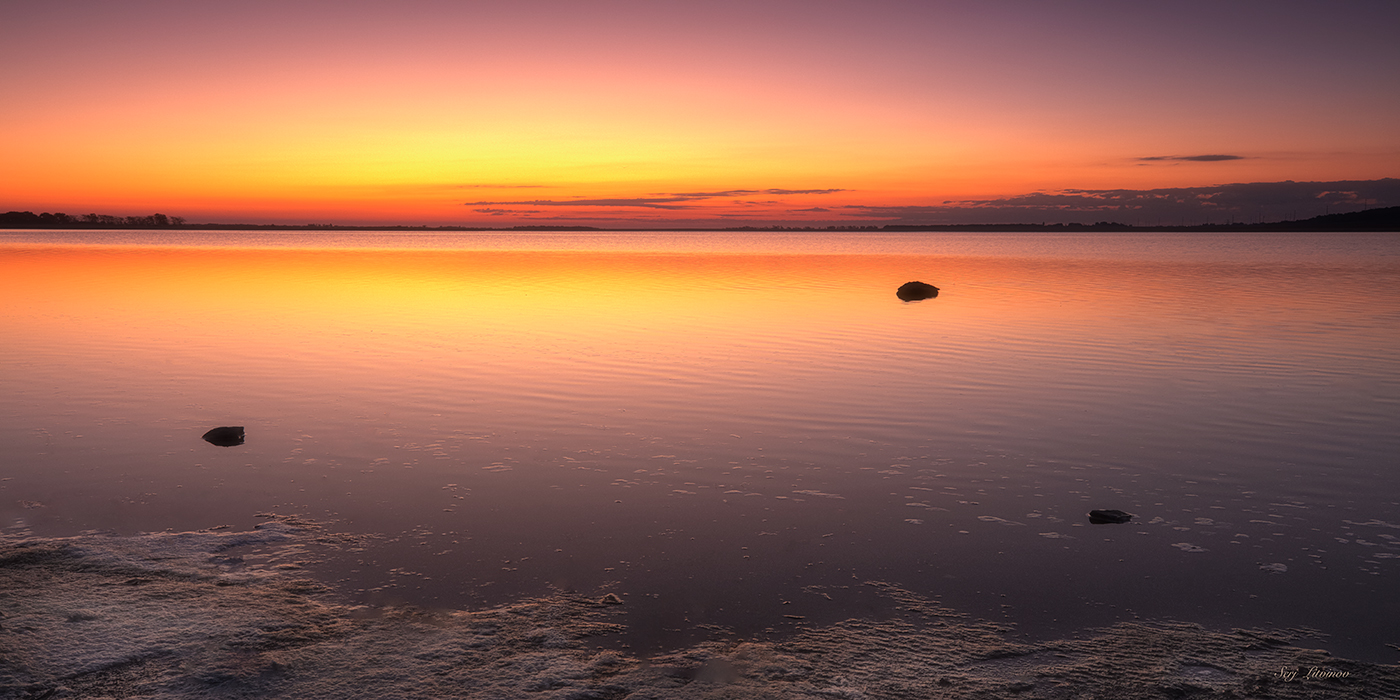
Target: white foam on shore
(177, 615)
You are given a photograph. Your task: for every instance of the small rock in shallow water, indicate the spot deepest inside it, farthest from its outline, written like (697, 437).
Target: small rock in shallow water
(227, 436)
(1102, 517)
(915, 291)
(611, 599)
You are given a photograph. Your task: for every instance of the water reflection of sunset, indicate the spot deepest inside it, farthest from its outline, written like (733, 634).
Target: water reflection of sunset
(581, 401)
(242, 291)
(796, 329)
(255, 296)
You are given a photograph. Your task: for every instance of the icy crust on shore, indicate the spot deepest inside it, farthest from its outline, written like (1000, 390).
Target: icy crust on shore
(179, 616)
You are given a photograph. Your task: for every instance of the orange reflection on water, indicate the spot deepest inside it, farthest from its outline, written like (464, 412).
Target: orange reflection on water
(249, 297)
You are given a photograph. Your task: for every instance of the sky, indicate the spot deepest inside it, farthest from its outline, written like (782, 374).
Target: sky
(660, 113)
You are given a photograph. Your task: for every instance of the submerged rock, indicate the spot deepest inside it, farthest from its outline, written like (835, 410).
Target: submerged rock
(915, 291)
(1103, 517)
(226, 436)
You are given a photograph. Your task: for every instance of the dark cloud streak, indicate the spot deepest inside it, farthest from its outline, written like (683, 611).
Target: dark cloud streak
(1197, 159)
(1240, 202)
(743, 193)
(644, 202)
(506, 212)
(670, 201)
(1237, 202)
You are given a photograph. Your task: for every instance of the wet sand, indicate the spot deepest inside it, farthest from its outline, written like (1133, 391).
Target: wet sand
(231, 615)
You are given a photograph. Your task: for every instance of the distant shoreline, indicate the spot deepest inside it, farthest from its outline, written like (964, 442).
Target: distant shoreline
(1384, 219)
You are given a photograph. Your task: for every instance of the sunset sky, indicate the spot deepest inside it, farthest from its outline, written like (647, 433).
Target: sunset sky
(640, 114)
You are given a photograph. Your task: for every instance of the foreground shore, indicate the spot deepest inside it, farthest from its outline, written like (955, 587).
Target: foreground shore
(229, 615)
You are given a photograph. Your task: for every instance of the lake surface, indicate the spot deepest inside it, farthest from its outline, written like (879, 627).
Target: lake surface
(738, 430)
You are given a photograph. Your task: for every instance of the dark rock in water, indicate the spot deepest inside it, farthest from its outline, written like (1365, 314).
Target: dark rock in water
(914, 291)
(1104, 517)
(227, 436)
(611, 599)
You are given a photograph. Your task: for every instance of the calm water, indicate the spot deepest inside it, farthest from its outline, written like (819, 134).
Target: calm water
(733, 428)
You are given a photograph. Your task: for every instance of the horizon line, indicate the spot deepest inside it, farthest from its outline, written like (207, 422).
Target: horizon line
(1374, 219)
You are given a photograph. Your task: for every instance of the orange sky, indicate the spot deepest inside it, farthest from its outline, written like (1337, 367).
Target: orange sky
(631, 113)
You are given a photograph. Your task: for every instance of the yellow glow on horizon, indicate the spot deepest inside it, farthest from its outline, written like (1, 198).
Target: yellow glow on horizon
(395, 147)
(374, 115)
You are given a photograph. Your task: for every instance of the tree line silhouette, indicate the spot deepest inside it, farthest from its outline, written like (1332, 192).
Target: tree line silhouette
(28, 219)
(1379, 219)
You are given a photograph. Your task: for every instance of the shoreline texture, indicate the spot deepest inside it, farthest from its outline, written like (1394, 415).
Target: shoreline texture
(226, 615)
